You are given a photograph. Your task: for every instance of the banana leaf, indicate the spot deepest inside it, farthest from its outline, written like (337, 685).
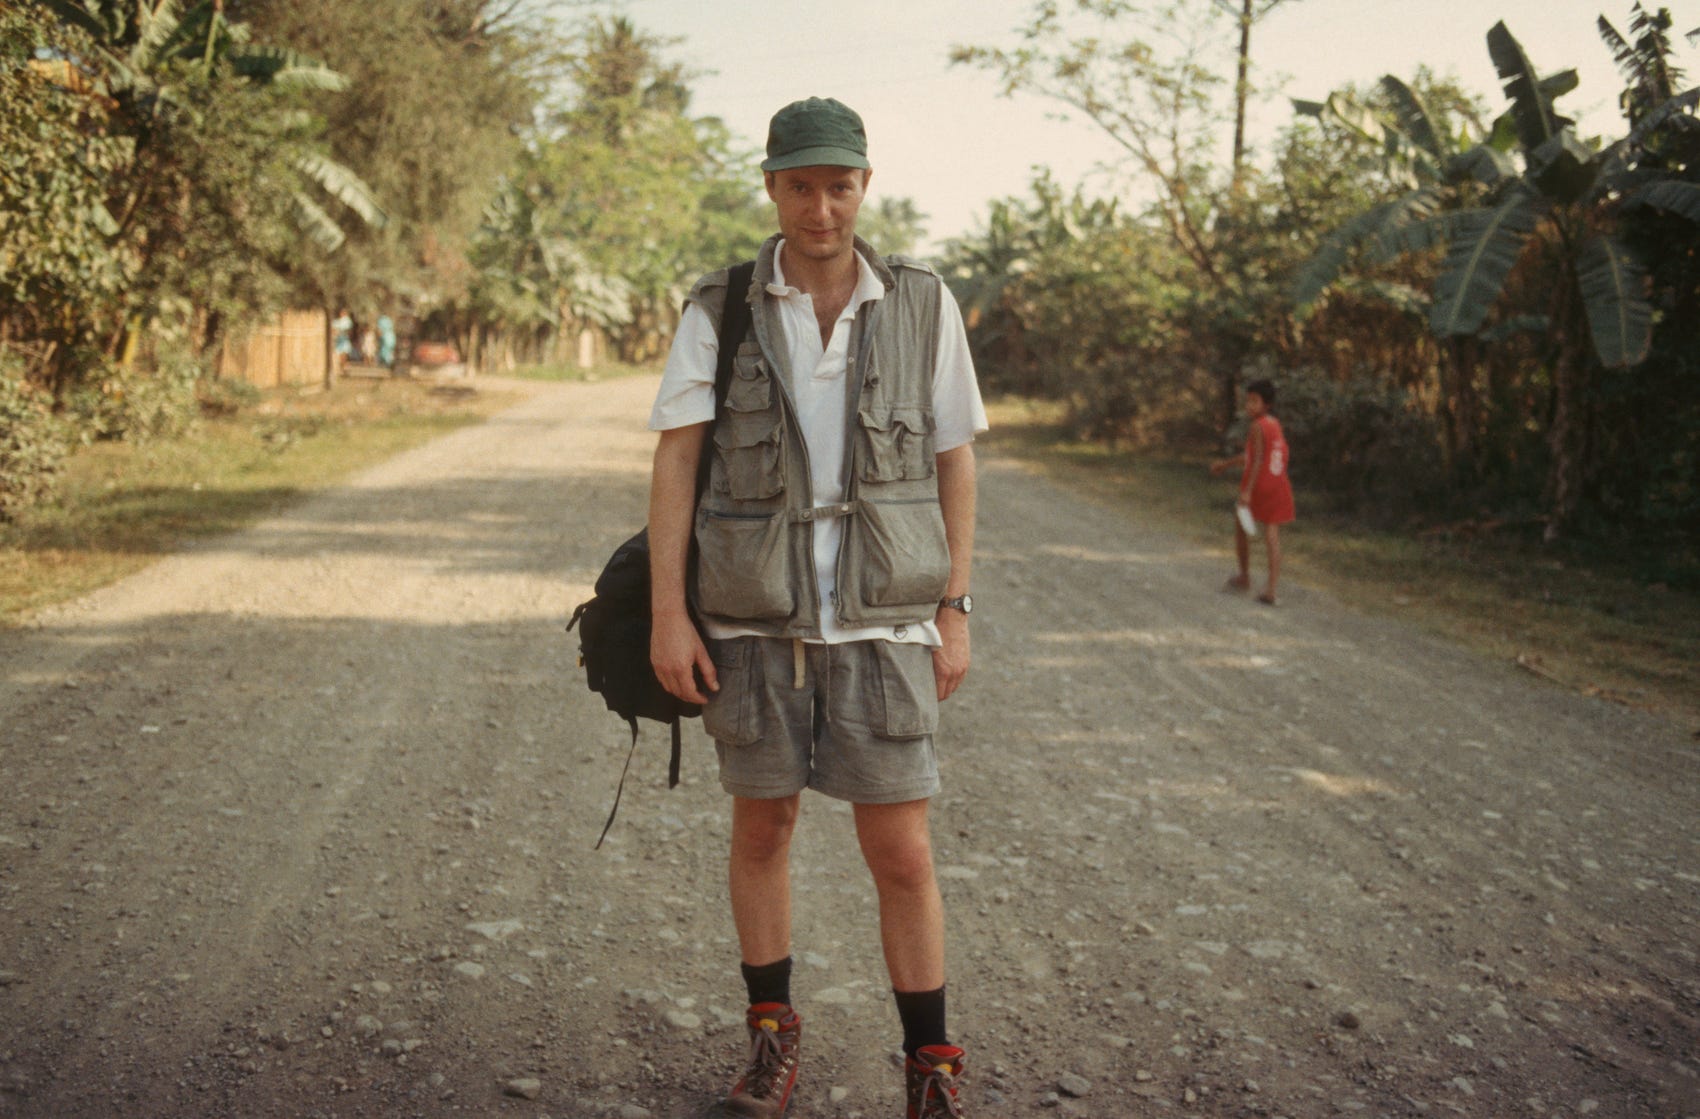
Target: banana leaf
(1563, 167)
(1415, 227)
(1324, 265)
(1483, 251)
(1531, 108)
(319, 227)
(1414, 118)
(1682, 199)
(285, 67)
(343, 185)
(1483, 163)
(1401, 297)
(1614, 294)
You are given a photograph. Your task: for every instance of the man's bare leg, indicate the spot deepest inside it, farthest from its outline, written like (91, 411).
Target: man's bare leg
(899, 853)
(759, 875)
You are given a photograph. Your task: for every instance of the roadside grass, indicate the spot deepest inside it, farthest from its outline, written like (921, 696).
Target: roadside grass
(1578, 620)
(121, 505)
(567, 371)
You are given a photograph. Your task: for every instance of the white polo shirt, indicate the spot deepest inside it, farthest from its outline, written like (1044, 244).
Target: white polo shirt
(687, 397)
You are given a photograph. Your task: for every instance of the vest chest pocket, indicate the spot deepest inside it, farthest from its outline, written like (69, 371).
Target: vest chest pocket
(746, 441)
(897, 445)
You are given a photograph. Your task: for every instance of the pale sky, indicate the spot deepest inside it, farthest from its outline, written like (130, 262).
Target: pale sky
(942, 135)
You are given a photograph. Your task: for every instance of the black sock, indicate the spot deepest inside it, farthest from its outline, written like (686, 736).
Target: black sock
(769, 982)
(922, 1013)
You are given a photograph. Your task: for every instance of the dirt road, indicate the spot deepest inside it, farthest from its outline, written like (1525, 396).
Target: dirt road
(299, 823)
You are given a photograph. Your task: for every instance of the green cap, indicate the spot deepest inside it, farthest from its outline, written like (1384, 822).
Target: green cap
(819, 132)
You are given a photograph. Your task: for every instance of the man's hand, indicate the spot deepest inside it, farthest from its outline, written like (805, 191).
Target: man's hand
(677, 654)
(950, 660)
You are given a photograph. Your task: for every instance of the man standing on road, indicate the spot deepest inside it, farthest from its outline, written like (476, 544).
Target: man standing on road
(834, 541)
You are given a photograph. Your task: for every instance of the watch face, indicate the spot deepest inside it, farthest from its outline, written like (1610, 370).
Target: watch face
(967, 604)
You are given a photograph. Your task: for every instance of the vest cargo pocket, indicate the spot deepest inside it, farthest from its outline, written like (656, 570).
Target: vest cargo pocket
(732, 715)
(897, 445)
(747, 444)
(909, 689)
(898, 552)
(744, 565)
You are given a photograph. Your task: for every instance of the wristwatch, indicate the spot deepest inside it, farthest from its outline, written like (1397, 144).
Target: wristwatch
(962, 602)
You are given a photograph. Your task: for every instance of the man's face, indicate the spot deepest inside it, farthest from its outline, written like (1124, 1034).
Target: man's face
(817, 208)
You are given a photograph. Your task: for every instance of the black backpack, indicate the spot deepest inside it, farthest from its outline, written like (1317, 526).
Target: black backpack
(614, 626)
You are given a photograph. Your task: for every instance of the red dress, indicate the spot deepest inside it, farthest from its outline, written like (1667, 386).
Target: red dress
(1271, 491)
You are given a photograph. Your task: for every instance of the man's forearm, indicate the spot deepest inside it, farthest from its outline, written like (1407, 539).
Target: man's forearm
(672, 508)
(957, 497)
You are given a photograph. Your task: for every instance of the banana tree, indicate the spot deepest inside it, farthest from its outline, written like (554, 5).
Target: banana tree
(224, 178)
(149, 52)
(1558, 201)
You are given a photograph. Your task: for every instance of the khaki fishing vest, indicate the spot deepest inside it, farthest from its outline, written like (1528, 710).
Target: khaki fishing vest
(754, 522)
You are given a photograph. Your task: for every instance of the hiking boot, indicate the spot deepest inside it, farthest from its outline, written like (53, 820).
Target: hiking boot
(765, 1088)
(933, 1075)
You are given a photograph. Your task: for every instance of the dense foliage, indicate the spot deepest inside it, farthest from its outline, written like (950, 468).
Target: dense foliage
(1470, 313)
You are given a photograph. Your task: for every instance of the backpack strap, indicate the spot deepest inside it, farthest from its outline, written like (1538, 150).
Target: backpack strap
(734, 325)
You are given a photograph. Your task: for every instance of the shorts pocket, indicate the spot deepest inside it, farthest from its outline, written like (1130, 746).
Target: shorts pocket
(909, 691)
(731, 715)
(743, 566)
(899, 552)
(897, 445)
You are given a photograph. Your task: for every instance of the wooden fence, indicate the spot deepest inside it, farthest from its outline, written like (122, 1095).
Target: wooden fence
(292, 349)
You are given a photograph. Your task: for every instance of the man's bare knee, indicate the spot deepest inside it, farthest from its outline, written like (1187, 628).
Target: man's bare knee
(761, 829)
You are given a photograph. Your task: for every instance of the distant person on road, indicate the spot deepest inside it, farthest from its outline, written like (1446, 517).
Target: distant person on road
(386, 342)
(1266, 493)
(342, 338)
(834, 540)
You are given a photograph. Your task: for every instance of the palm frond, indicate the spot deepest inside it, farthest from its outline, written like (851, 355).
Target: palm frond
(1484, 248)
(1621, 52)
(1614, 294)
(343, 185)
(282, 66)
(1617, 158)
(157, 24)
(319, 226)
(83, 18)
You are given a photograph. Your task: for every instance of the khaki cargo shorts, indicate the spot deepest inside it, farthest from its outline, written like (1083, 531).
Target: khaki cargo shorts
(854, 721)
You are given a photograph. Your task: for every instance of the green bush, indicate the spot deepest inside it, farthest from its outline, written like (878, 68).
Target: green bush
(138, 404)
(32, 442)
(1363, 442)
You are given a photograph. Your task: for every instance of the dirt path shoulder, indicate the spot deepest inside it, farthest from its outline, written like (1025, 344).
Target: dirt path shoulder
(298, 823)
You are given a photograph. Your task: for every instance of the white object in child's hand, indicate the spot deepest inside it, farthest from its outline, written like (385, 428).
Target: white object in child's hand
(1243, 512)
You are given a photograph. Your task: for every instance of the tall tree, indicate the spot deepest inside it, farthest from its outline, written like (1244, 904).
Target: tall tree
(220, 169)
(1558, 210)
(1148, 76)
(438, 96)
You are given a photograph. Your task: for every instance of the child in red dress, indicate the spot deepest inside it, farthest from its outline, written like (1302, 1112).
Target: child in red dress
(1265, 490)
